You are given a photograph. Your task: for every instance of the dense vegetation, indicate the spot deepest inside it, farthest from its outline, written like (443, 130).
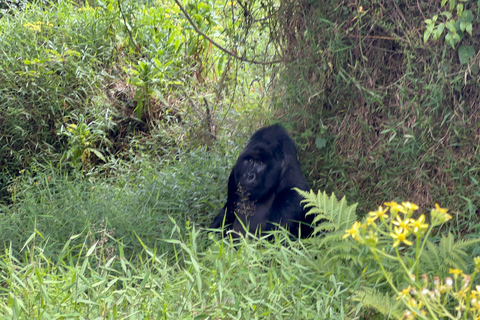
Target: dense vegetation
(120, 119)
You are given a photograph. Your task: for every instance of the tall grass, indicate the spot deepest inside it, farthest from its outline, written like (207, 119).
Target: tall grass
(249, 280)
(141, 202)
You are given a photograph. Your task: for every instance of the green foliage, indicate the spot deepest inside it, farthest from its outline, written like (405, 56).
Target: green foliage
(81, 139)
(145, 77)
(387, 305)
(218, 279)
(426, 297)
(446, 254)
(381, 113)
(140, 63)
(456, 27)
(330, 214)
(140, 199)
(48, 69)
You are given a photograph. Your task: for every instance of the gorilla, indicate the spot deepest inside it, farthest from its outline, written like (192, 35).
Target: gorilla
(260, 195)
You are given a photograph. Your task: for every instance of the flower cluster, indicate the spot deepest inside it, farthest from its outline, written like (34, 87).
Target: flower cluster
(453, 297)
(37, 26)
(396, 221)
(435, 294)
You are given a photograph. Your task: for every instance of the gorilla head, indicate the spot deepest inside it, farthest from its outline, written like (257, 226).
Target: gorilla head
(260, 194)
(257, 171)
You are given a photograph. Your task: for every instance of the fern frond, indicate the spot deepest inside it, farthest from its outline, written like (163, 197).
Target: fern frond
(434, 260)
(448, 253)
(332, 215)
(381, 302)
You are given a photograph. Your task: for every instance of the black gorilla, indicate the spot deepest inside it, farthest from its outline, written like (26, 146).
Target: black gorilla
(260, 194)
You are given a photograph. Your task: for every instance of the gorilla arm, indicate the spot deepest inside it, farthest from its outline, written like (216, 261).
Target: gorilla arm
(287, 211)
(227, 213)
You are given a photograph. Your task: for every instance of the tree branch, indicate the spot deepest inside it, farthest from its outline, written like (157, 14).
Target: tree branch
(217, 45)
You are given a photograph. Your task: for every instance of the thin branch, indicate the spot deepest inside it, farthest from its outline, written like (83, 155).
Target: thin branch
(216, 44)
(127, 27)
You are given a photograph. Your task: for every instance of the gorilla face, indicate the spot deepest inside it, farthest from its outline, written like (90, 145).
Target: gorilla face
(257, 172)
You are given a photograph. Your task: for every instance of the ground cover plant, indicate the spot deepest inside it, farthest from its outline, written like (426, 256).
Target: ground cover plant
(120, 120)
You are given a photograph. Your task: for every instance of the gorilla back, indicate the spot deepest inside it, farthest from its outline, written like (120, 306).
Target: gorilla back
(260, 195)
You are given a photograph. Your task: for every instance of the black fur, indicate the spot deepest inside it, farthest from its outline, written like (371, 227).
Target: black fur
(260, 194)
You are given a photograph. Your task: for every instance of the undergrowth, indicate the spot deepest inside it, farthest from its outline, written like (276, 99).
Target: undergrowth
(119, 124)
(141, 202)
(382, 113)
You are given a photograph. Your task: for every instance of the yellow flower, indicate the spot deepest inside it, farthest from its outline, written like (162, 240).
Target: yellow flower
(456, 272)
(444, 211)
(380, 213)
(476, 292)
(410, 206)
(440, 209)
(36, 26)
(391, 204)
(404, 224)
(418, 225)
(414, 303)
(404, 293)
(475, 305)
(407, 314)
(400, 235)
(371, 222)
(353, 231)
(395, 208)
(448, 283)
(439, 215)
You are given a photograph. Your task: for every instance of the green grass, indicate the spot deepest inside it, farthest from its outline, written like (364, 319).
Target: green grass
(135, 246)
(250, 281)
(140, 202)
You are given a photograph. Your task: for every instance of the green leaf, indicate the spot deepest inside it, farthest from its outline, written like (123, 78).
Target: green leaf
(457, 37)
(467, 16)
(90, 251)
(448, 39)
(438, 31)
(320, 142)
(338, 214)
(452, 43)
(139, 107)
(465, 53)
(430, 27)
(459, 9)
(447, 14)
(451, 26)
(99, 154)
(469, 28)
(452, 5)
(426, 35)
